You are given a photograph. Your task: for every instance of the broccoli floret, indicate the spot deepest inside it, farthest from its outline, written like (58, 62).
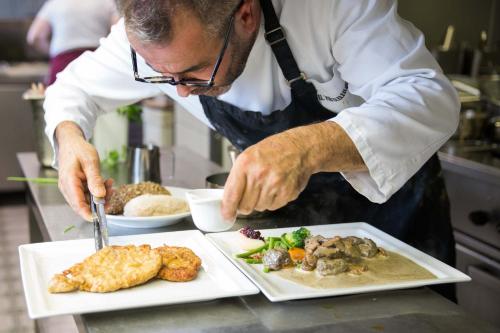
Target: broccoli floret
(296, 238)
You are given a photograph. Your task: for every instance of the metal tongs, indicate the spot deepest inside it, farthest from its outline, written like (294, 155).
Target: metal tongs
(100, 222)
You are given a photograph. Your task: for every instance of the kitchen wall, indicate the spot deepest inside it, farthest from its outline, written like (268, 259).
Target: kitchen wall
(469, 17)
(15, 9)
(432, 16)
(15, 19)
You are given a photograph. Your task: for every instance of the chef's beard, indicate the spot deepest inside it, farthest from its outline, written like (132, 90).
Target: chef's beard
(241, 52)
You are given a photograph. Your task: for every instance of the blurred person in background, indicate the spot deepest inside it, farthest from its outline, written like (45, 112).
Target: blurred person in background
(64, 29)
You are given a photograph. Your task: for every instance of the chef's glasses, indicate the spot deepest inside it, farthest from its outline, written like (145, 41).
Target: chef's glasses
(187, 82)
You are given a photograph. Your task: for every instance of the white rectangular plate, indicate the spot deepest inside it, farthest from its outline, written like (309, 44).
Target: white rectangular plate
(217, 278)
(278, 289)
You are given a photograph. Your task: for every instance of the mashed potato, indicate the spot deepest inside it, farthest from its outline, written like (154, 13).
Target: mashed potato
(155, 205)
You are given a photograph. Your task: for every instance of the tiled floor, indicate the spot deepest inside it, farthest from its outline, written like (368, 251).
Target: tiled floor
(14, 231)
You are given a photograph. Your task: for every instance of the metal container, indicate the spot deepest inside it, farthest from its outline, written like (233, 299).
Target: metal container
(490, 88)
(472, 122)
(143, 164)
(44, 150)
(218, 180)
(493, 134)
(472, 114)
(493, 129)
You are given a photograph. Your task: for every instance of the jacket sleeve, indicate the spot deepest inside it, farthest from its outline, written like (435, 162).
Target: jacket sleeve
(410, 108)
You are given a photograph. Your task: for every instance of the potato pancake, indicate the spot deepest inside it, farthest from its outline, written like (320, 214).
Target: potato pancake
(180, 264)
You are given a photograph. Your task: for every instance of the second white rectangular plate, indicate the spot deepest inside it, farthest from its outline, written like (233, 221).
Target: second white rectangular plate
(217, 278)
(278, 289)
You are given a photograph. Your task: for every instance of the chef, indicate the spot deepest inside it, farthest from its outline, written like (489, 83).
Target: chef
(337, 106)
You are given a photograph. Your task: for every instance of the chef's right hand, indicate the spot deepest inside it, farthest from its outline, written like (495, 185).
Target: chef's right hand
(79, 170)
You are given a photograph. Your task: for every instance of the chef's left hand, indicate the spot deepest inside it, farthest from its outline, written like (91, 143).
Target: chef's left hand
(266, 176)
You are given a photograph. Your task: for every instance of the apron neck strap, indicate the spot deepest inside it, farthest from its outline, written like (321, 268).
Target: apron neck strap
(275, 36)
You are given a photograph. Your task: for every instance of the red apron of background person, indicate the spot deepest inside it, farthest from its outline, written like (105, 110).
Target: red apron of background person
(60, 61)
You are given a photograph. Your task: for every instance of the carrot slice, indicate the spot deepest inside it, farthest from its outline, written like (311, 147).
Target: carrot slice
(297, 253)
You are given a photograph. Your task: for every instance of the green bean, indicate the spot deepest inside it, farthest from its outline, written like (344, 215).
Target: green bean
(271, 244)
(280, 244)
(250, 252)
(284, 241)
(253, 261)
(266, 270)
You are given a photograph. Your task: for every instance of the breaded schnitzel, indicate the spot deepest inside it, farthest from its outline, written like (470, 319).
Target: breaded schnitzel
(110, 269)
(180, 264)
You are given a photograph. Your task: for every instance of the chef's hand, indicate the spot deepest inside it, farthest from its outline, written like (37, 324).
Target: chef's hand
(79, 170)
(266, 176)
(273, 172)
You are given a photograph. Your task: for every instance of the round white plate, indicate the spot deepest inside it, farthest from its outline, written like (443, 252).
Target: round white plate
(151, 221)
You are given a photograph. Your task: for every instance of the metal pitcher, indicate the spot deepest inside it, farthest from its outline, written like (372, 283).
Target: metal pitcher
(143, 164)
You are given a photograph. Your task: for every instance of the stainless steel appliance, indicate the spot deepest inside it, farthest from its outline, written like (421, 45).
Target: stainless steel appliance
(17, 129)
(473, 184)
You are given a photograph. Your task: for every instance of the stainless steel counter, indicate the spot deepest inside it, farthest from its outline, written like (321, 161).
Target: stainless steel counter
(414, 310)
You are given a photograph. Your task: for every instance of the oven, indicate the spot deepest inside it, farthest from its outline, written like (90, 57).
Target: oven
(475, 212)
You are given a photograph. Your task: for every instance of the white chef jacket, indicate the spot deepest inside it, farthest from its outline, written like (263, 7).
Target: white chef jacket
(77, 23)
(398, 109)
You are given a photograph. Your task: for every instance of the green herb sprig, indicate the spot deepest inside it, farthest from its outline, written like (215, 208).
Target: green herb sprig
(41, 180)
(69, 228)
(132, 112)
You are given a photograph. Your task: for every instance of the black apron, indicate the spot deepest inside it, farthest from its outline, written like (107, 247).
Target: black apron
(417, 214)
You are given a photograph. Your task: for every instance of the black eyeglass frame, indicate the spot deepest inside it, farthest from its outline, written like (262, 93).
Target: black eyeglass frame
(188, 82)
